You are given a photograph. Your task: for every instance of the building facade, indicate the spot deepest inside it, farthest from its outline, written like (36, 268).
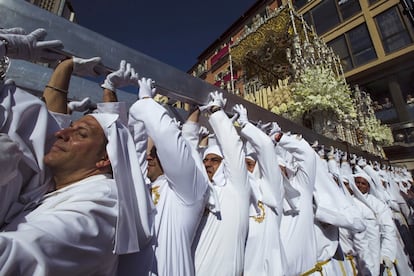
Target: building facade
(62, 8)
(372, 38)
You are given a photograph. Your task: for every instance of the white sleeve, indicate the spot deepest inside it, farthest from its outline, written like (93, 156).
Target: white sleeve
(305, 157)
(272, 190)
(115, 108)
(232, 148)
(190, 133)
(177, 157)
(140, 137)
(333, 206)
(388, 231)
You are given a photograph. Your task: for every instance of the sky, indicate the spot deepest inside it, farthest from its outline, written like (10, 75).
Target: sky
(175, 32)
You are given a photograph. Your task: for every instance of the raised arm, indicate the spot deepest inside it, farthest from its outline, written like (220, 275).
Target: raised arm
(176, 155)
(229, 141)
(272, 189)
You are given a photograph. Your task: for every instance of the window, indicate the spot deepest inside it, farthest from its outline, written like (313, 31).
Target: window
(354, 47)
(394, 34)
(372, 1)
(348, 8)
(325, 16)
(299, 3)
(361, 45)
(341, 49)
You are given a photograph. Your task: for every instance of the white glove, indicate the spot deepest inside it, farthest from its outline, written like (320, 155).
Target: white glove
(124, 76)
(16, 30)
(146, 88)
(32, 47)
(361, 162)
(85, 67)
(203, 132)
(80, 106)
(10, 156)
(242, 111)
(216, 99)
(264, 127)
(275, 128)
(177, 123)
(387, 262)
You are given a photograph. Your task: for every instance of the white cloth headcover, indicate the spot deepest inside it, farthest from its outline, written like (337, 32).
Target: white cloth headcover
(357, 192)
(135, 207)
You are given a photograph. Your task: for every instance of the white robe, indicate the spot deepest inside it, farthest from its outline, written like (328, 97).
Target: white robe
(179, 198)
(71, 232)
(220, 241)
(27, 121)
(296, 230)
(270, 259)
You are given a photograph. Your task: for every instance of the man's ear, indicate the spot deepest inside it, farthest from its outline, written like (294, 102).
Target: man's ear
(104, 162)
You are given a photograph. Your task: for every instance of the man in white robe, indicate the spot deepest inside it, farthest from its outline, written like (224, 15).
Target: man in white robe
(220, 241)
(266, 210)
(296, 229)
(382, 239)
(178, 186)
(82, 226)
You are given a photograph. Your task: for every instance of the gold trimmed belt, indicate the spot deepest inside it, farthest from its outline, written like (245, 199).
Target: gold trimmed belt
(260, 218)
(351, 259)
(317, 268)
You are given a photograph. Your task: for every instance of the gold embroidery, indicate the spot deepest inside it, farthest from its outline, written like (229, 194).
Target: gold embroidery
(260, 218)
(155, 194)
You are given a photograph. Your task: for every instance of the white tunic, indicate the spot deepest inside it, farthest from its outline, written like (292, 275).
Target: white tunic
(178, 194)
(71, 232)
(220, 241)
(297, 230)
(31, 126)
(270, 259)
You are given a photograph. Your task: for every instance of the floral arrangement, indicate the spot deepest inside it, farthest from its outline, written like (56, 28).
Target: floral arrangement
(280, 97)
(377, 132)
(318, 88)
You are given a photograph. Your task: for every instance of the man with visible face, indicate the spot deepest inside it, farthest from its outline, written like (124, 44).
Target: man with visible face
(177, 183)
(78, 152)
(212, 162)
(86, 194)
(362, 184)
(382, 240)
(219, 245)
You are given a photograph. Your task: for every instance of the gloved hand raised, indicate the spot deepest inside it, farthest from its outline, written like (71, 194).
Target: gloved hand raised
(361, 162)
(177, 123)
(31, 47)
(203, 132)
(146, 88)
(80, 106)
(85, 67)
(274, 130)
(216, 99)
(242, 111)
(124, 76)
(264, 127)
(16, 30)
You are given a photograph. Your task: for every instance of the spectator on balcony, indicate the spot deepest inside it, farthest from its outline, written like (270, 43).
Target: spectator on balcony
(376, 106)
(387, 103)
(410, 99)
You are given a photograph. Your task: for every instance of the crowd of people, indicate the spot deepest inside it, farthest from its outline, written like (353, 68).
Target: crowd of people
(135, 192)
